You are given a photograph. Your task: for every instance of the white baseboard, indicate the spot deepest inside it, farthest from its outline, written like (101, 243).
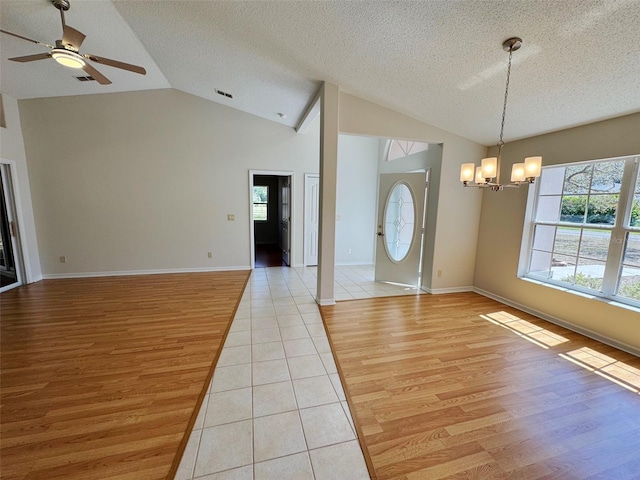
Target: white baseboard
(439, 291)
(122, 273)
(325, 303)
(563, 323)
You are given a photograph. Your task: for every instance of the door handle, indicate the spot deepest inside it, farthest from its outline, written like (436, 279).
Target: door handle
(380, 234)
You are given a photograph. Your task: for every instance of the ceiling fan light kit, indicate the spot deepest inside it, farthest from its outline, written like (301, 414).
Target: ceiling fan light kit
(67, 50)
(489, 169)
(68, 58)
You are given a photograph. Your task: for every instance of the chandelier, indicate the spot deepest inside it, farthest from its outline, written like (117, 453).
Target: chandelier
(487, 175)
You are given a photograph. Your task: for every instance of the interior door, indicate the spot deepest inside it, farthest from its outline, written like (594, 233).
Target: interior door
(10, 268)
(285, 218)
(311, 214)
(401, 206)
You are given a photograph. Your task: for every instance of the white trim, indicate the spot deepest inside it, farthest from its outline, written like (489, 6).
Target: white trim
(14, 209)
(326, 302)
(440, 291)
(569, 326)
(310, 113)
(124, 273)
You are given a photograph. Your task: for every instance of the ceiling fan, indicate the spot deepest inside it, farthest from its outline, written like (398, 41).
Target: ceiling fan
(67, 51)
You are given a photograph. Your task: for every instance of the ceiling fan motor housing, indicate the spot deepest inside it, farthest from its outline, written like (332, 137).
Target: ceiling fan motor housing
(63, 5)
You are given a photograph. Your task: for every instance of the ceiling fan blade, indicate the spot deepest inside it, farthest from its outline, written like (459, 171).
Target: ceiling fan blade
(101, 79)
(72, 37)
(31, 58)
(26, 38)
(117, 64)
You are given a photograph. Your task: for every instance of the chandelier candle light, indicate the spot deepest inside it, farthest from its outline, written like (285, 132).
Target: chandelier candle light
(489, 169)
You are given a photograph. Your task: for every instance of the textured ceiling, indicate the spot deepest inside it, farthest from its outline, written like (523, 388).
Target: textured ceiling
(438, 61)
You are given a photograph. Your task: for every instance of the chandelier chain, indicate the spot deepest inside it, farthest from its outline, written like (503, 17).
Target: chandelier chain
(506, 94)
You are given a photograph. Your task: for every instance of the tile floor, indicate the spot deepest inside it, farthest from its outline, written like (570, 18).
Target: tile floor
(276, 408)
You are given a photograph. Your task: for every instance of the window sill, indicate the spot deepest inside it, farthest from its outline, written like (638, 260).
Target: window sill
(609, 301)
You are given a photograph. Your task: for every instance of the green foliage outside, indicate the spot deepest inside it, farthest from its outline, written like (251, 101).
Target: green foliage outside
(629, 290)
(584, 280)
(602, 209)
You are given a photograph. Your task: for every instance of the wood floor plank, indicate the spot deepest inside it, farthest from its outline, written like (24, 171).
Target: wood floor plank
(461, 386)
(102, 377)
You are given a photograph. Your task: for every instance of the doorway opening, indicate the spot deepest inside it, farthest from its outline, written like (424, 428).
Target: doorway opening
(386, 209)
(11, 274)
(270, 213)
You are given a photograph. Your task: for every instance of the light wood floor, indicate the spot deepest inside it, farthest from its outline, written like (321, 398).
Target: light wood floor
(460, 386)
(100, 377)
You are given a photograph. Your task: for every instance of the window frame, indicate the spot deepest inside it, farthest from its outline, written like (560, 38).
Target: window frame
(617, 244)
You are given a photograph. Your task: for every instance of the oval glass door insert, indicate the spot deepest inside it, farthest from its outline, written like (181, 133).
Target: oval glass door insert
(399, 222)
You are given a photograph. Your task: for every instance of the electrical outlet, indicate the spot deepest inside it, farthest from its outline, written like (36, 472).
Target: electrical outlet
(439, 273)
(210, 254)
(231, 217)
(63, 259)
(349, 251)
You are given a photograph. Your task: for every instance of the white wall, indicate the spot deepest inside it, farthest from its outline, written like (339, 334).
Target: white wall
(143, 181)
(458, 208)
(12, 150)
(502, 223)
(357, 199)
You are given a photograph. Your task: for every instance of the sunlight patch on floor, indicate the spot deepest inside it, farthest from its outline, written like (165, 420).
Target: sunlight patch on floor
(527, 330)
(606, 367)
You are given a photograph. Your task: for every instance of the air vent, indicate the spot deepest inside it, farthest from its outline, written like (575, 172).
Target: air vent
(224, 94)
(85, 79)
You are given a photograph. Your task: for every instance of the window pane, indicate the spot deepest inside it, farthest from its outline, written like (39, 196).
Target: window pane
(629, 286)
(635, 209)
(548, 209)
(543, 238)
(260, 211)
(551, 181)
(602, 209)
(567, 241)
(632, 250)
(630, 283)
(563, 268)
(589, 274)
(595, 244)
(261, 194)
(573, 208)
(607, 177)
(540, 263)
(577, 179)
(399, 219)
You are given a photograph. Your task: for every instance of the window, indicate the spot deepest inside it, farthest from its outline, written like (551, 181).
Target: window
(584, 233)
(401, 148)
(260, 201)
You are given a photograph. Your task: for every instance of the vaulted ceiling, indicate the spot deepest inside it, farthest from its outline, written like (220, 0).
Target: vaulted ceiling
(438, 61)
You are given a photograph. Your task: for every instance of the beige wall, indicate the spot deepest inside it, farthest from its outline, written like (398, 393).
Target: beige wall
(502, 223)
(12, 151)
(143, 181)
(458, 208)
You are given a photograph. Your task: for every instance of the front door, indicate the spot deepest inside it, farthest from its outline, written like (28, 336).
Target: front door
(401, 207)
